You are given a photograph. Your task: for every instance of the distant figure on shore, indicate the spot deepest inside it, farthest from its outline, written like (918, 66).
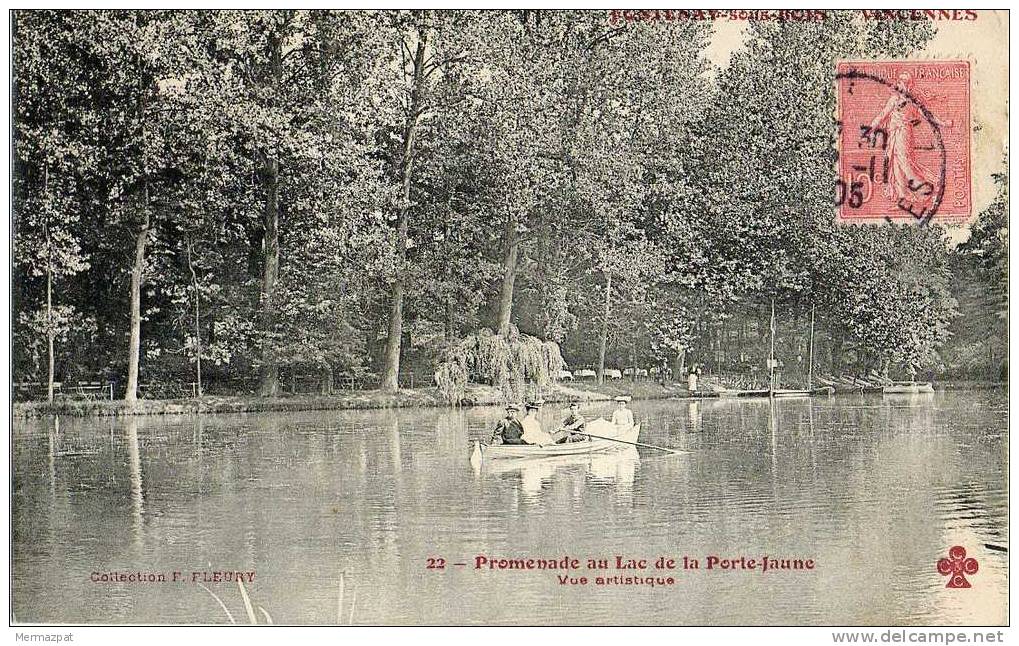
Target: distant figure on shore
(509, 430)
(571, 427)
(533, 434)
(691, 380)
(622, 416)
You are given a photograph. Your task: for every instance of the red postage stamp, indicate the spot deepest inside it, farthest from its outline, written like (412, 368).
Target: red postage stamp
(903, 141)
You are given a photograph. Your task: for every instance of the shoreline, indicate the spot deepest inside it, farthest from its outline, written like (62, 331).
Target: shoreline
(372, 400)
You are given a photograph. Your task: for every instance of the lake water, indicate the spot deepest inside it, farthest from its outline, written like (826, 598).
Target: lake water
(874, 490)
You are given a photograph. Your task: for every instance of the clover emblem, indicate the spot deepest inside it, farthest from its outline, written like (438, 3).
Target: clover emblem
(957, 566)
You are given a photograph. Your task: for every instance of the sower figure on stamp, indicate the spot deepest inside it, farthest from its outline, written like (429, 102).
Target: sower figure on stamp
(908, 178)
(509, 430)
(571, 427)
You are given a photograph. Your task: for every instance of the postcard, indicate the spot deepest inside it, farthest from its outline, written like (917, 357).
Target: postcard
(421, 317)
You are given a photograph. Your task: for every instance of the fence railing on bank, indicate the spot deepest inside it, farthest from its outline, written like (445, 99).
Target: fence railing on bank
(81, 390)
(288, 385)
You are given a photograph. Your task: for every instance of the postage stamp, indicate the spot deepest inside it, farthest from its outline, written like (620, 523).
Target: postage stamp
(903, 141)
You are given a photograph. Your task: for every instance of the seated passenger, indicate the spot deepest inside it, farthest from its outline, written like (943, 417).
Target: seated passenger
(508, 430)
(532, 427)
(622, 416)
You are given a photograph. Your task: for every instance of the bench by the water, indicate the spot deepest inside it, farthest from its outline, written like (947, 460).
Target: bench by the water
(86, 390)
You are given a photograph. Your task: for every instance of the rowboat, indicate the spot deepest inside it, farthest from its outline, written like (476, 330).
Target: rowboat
(790, 392)
(849, 384)
(593, 445)
(744, 393)
(801, 392)
(906, 388)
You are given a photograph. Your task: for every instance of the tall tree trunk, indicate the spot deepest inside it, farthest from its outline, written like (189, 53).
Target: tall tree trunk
(49, 318)
(450, 327)
(680, 365)
(391, 367)
(49, 288)
(269, 382)
(134, 349)
(269, 379)
(511, 253)
(198, 322)
(603, 342)
(141, 239)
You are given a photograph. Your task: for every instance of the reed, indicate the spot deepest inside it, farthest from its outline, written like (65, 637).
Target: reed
(247, 603)
(220, 602)
(249, 607)
(339, 602)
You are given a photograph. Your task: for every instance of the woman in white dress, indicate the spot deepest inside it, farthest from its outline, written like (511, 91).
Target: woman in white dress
(533, 433)
(622, 417)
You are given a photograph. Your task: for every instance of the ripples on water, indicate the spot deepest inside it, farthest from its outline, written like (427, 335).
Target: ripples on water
(874, 489)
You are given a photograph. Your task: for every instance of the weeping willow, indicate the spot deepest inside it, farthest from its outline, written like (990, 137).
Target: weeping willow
(508, 362)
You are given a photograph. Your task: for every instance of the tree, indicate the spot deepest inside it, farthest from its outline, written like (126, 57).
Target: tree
(760, 222)
(45, 155)
(109, 66)
(294, 91)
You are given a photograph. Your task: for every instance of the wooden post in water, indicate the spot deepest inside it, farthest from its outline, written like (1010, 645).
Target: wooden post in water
(771, 360)
(810, 358)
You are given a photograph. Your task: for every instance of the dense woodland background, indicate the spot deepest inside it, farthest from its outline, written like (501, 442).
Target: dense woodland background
(277, 198)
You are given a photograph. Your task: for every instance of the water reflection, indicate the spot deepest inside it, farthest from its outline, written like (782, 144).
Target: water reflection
(301, 498)
(134, 463)
(617, 467)
(52, 435)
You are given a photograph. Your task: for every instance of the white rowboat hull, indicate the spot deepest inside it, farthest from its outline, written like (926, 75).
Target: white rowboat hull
(593, 445)
(908, 389)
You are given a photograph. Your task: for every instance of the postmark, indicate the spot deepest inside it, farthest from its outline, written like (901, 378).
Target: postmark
(903, 141)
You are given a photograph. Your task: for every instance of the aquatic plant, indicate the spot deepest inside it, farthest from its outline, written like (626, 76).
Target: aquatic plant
(339, 603)
(509, 362)
(248, 606)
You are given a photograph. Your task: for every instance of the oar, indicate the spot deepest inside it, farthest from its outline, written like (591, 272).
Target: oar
(646, 446)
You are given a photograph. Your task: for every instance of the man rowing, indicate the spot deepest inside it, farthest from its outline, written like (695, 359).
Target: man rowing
(509, 430)
(572, 427)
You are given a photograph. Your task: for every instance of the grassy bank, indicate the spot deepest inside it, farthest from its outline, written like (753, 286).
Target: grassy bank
(372, 399)
(353, 400)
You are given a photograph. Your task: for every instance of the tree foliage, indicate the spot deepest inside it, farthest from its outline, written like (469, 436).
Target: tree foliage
(253, 191)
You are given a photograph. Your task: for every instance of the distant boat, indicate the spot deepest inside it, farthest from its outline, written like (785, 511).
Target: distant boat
(802, 392)
(849, 384)
(744, 393)
(908, 388)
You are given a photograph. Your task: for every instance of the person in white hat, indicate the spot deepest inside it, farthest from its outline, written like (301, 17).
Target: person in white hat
(622, 416)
